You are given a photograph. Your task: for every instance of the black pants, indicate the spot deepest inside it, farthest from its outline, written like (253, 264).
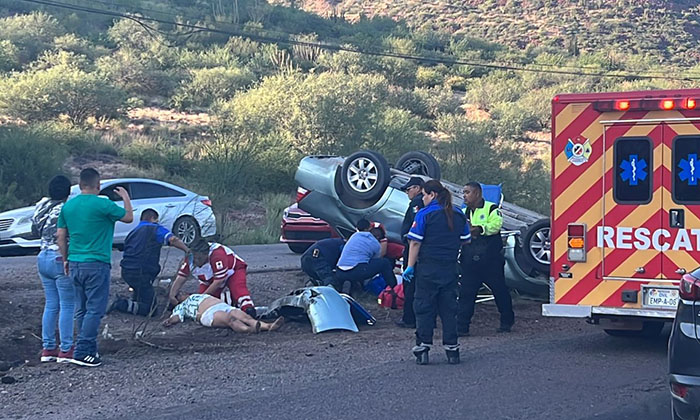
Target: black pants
(317, 268)
(143, 299)
(490, 272)
(409, 290)
(436, 294)
(365, 271)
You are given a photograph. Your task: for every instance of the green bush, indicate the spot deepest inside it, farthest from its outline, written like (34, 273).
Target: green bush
(210, 84)
(429, 76)
(438, 100)
(138, 74)
(32, 33)
(149, 153)
(9, 56)
(29, 157)
(242, 233)
(40, 95)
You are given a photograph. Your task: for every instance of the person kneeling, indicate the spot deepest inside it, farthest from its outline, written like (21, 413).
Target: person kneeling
(215, 313)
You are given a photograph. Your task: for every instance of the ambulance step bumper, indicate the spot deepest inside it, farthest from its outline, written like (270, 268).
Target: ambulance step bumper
(587, 311)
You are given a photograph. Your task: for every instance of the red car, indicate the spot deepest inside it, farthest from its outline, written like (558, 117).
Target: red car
(300, 230)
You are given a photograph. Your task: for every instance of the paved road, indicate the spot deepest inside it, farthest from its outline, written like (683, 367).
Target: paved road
(260, 258)
(582, 375)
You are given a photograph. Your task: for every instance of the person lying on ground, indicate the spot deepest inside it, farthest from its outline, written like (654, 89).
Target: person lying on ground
(362, 257)
(213, 312)
(221, 273)
(141, 263)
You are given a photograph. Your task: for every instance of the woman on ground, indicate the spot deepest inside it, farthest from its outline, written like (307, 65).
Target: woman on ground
(58, 288)
(435, 238)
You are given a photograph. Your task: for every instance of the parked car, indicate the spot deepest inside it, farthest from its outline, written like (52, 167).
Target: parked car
(683, 351)
(188, 214)
(300, 229)
(343, 190)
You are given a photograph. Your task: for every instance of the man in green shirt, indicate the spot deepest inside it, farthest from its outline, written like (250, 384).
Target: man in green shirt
(88, 220)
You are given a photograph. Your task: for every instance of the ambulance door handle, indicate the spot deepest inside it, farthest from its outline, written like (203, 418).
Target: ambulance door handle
(677, 218)
(681, 271)
(640, 270)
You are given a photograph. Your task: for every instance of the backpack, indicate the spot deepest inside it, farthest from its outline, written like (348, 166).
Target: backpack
(392, 298)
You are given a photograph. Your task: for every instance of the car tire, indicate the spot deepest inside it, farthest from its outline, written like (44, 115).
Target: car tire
(537, 246)
(364, 176)
(298, 248)
(187, 229)
(650, 329)
(419, 163)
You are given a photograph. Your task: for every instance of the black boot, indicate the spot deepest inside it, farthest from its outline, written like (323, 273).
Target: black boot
(421, 353)
(452, 356)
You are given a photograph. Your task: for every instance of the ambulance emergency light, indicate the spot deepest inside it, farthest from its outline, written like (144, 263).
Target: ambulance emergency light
(665, 104)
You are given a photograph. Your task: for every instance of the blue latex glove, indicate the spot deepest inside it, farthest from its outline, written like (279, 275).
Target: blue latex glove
(408, 274)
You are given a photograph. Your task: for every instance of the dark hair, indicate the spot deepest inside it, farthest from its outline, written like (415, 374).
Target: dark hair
(474, 185)
(200, 246)
(149, 214)
(378, 233)
(89, 177)
(362, 225)
(444, 198)
(59, 188)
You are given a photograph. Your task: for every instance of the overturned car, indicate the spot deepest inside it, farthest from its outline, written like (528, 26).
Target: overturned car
(342, 191)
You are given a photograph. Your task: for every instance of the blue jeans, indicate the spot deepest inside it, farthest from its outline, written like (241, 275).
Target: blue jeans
(91, 280)
(60, 301)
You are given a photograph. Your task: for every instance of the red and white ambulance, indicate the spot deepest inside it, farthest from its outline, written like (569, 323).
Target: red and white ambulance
(625, 206)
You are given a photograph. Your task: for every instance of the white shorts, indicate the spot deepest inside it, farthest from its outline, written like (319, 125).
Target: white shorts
(208, 315)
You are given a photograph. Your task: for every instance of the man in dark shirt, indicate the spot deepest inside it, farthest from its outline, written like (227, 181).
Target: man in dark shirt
(141, 263)
(319, 260)
(413, 189)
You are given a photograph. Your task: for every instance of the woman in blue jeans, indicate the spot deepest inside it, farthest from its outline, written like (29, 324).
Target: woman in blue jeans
(58, 288)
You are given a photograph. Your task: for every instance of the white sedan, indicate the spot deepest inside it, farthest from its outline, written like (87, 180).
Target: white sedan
(188, 214)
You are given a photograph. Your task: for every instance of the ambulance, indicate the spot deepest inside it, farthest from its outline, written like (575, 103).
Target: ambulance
(625, 210)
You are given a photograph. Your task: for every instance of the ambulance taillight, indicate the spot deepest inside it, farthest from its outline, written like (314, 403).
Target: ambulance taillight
(690, 288)
(576, 241)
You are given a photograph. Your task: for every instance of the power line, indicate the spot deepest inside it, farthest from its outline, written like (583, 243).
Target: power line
(332, 47)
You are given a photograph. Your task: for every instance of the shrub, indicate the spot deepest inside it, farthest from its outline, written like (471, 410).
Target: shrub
(151, 153)
(429, 77)
(438, 100)
(207, 85)
(9, 56)
(242, 233)
(32, 33)
(24, 173)
(41, 95)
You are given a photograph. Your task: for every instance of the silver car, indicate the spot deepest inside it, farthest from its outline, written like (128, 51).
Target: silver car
(342, 191)
(188, 214)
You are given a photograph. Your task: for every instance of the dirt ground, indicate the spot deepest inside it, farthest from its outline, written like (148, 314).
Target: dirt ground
(192, 364)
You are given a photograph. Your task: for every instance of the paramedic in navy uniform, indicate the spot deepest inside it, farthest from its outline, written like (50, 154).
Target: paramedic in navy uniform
(435, 238)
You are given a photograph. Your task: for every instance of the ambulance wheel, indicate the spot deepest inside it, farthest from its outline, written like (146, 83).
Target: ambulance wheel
(649, 329)
(298, 248)
(187, 229)
(419, 163)
(537, 245)
(364, 177)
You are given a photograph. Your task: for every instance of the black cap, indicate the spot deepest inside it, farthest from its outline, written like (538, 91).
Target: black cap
(413, 181)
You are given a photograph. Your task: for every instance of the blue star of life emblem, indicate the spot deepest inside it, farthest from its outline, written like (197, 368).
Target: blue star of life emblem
(688, 169)
(633, 170)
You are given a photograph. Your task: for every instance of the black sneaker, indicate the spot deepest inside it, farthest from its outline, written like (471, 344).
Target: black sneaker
(452, 356)
(421, 352)
(87, 360)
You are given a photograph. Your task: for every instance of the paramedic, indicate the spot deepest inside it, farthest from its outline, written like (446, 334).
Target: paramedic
(320, 259)
(413, 189)
(221, 273)
(436, 236)
(363, 257)
(482, 260)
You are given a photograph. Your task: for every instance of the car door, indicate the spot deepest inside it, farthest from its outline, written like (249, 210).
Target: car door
(121, 229)
(167, 201)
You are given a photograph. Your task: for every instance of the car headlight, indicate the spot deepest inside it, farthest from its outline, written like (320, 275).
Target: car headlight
(285, 214)
(24, 220)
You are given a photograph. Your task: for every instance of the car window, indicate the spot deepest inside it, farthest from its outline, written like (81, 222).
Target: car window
(141, 190)
(685, 172)
(633, 170)
(109, 191)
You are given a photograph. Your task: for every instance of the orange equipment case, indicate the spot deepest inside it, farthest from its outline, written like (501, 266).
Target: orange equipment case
(625, 204)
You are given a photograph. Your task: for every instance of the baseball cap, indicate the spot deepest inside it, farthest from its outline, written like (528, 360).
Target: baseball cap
(413, 181)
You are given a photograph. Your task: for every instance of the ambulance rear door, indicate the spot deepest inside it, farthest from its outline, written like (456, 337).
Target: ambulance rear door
(632, 207)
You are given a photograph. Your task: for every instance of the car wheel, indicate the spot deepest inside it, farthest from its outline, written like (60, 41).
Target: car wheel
(419, 163)
(187, 229)
(298, 248)
(650, 329)
(537, 245)
(365, 176)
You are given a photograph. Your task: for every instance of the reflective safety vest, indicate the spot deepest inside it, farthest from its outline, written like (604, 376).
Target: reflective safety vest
(487, 217)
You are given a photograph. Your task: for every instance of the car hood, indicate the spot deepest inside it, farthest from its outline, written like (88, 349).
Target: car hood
(17, 213)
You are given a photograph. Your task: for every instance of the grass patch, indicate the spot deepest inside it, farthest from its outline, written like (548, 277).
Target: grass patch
(264, 229)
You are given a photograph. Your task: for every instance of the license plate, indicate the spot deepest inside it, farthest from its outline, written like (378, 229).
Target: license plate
(661, 298)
